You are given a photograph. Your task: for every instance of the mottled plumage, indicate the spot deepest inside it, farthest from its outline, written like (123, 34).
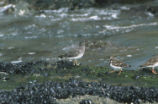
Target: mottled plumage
(151, 63)
(74, 53)
(117, 65)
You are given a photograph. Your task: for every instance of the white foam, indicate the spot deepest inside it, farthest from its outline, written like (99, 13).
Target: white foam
(61, 10)
(32, 53)
(94, 18)
(127, 28)
(125, 8)
(128, 55)
(11, 47)
(150, 14)
(31, 37)
(42, 16)
(156, 47)
(60, 31)
(1, 35)
(17, 61)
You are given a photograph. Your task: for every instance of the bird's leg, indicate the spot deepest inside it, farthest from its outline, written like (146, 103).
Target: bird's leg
(120, 72)
(153, 71)
(112, 71)
(76, 63)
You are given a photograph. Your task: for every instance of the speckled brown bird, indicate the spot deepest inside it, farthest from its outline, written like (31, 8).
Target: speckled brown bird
(75, 53)
(117, 65)
(151, 63)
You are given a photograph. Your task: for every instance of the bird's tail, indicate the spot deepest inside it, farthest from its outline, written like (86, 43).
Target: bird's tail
(60, 57)
(141, 66)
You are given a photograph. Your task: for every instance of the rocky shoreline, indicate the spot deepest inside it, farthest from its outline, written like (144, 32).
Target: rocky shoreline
(47, 93)
(54, 90)
(73, 4)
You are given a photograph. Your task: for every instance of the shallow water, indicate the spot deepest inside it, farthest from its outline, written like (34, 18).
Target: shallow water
(125, 31)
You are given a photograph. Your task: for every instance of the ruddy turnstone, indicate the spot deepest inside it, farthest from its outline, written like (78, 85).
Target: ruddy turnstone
(151, 63)
(117, 65)
(74, 53)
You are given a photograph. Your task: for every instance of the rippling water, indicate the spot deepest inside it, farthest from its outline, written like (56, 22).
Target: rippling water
(125, 31)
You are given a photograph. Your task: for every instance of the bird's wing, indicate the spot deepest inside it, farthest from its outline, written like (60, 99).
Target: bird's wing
(119, 63)
(68, 48)
(69, 54)
(151, 61)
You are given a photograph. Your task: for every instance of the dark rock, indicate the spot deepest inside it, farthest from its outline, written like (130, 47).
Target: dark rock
(153, 10)
(65, 64)
(72, 4)
(46, 93)
(101, 2)
(23, 68)
(86, 101)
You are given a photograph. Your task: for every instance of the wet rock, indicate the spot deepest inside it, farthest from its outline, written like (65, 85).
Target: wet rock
(65, 64)
(86, 101)
(46, 93)
(72, 4)
(77, 4)
(7, 9)
(35, 67)
(137, 77)
(18, 8)
(56, 4)
(153, 10)
(24, 67)
(105, 2)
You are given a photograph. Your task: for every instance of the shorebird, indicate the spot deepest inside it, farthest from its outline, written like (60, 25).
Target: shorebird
(74, 53)
(151, 63)
(117, 65)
